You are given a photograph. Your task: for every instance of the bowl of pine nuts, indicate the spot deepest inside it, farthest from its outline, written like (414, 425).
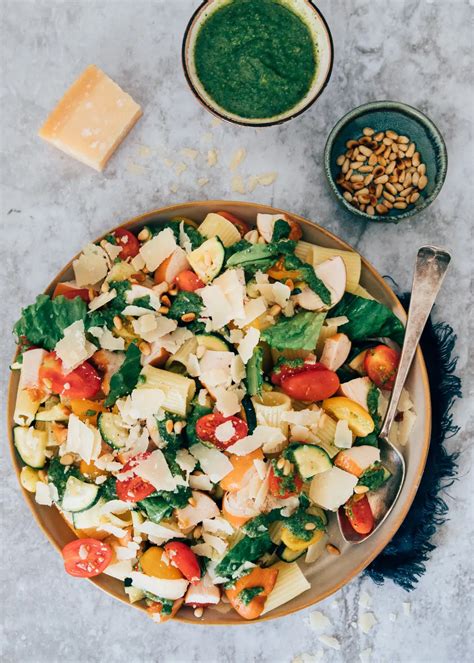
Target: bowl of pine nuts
(385, 161)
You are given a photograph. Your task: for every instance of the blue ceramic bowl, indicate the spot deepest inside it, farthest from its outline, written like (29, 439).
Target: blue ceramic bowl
(404, 120)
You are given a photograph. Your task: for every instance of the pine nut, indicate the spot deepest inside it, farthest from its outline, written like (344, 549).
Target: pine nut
(355, 165)
(406, 192)
(380, 136)
(416, 159)
(378, 191)
(144, 235)
(340, 159)
(410, 151)
(351, 143)
(192, 501)
(363, 149)
(381, 180)
(198, 613)
(67, 459)
(381, 209)
(118, 324)
(365, 169)
(390, 168)
(402, 148)
(349, 174)
(391, 134)
(379, 170)
(404, 140)
(165, 300)
(388, 196)
(332, 550)
(360, 490)
(380, 149)
(400, 205)
(370, 210)
(372, 159)
(382, 160)
(364, 199)
(422, 169)
(358, 185)
(164, 310)
(388, 204)
(357, 178)
(145, 348)
(105, 287)
(310, 526)
(173, 291)
(392, 156)
(414, 197)
(178, 427)
(188, 317)
(391, 188)
(280, 463)
(197, 531)
(347, 196)
(422, 182)
(368, 131)
(369, 179)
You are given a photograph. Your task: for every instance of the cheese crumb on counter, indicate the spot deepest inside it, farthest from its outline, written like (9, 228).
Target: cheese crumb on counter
(318, 621)
(189, 153)
(365, 655)
(238, 185)
(91, 119)
(237, 159)
(211, 157)
(329, 641)
(180, 168)
(366, 622)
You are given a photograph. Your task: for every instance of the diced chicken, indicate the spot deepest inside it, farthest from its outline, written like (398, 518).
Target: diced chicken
(335, 352)
(357, 459)
(357, 390)
(203, 593)
(202, 507)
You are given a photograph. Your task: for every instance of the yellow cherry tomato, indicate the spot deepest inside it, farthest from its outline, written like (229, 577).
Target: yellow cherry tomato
(359, 420)
(152, 565)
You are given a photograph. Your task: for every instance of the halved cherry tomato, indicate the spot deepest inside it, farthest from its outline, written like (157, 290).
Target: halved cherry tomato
(182, 557)
(258, 577)
(156, 608)
(241, 226)
(69, 292)
(86, 558)
(206, 429)
(152, 564)
(129, 243)
(359, 514)
(381, 364)
(82, 382)
(135, 488)
(313, 383)
(277, 486)
(189, 281)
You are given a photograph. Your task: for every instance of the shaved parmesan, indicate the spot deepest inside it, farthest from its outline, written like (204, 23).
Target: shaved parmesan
(367, 621)
(106, 339)
(318, 621)
(158, 249)
(203, 507)
(217, 525)
(247, 345)
(141, 404)
(252, 309)
(83, 439)
(159, 533)
(112, 250)
(228, 400)
(74, 349)
(330, 641)
(213, 462)
(224, 432)
(215, 542)
(224, 299)
(91, 266)
(266, 436)
(43, 494)
(167, 589)
(200, 482)
(102, 299)
(343, 436)
(138, 291)
(155, 470)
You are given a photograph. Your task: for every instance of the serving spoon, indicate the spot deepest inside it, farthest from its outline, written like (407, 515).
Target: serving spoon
(430, 269)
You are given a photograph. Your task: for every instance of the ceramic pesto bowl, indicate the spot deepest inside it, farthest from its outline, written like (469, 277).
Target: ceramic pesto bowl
(323, 46)
(405, 121)
(329, 573)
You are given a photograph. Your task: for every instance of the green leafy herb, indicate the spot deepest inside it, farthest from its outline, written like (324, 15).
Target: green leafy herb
(185, 302)
(373, 477)
(241, 245)
(248, 549)
(194, 235)
(108, 489)
(260, 257)
(106, 314)
(249, 593)
(308, 275)
(368, 319)
(372, 439)
(254, 372)
(162, 503)
(59, 474)
(281, 230)
(125, 379)
(144, 302)
(260, 524)
(299, 332)
(297, 522)
(43, 323)
(111, 239)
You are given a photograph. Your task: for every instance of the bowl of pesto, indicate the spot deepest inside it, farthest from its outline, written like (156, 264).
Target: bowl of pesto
(257, 62)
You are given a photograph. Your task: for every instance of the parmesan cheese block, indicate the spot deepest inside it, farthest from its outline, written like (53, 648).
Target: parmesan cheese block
(92, 119)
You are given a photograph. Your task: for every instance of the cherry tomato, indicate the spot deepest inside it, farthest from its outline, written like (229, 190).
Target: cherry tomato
(381, 364)
(182, 557)
(69, 292)
(313, 383)
(241, 226)
(293, 367)
(189, 281)
(134, 488)
(129, 243)
(82, 382)
(86, 558)
(359, 514)
(277, 486)
(206, 429)
(153, 564)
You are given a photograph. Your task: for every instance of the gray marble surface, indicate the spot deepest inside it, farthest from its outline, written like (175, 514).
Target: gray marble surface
(417, 51)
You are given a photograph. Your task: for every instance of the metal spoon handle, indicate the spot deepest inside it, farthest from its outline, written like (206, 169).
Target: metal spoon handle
(430, 270)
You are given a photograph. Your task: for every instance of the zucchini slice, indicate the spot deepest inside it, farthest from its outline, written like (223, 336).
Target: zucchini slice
(79, 495)
(213, 342)
(207, 260)
(112, 431)
(31, 445)
(288, 555)
(311, 460)
(249, 413)
(314, 510)
(90, 518)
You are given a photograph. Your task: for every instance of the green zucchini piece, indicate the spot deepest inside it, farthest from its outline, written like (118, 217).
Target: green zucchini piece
(310, 460)
(254, 372)
(31, 445)
(213, 342)
(111, 429)
(288, 555)
(79, 495)
(207, 260)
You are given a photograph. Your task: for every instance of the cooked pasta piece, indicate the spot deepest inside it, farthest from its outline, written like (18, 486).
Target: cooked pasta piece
(269, 408)
(178, 389)
(178, 362)
(361, 292)
(290, 583)
(215, 225)
(304, 251)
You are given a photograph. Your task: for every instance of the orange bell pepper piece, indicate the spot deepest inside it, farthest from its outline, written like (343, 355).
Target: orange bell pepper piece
(258, 577)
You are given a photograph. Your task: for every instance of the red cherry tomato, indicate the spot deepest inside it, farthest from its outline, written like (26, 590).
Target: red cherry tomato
(277, 486)
(86, 558)
(293, 367)
(129, 243)
(381, 364)
(182, 557)
(69, 292)
(134, 488)
(241, 226)
(313, 383)
(206, 429)
(82, 382)
(189, 281)
(359, 514)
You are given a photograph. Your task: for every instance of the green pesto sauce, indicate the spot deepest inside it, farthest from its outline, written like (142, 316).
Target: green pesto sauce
(255, 58)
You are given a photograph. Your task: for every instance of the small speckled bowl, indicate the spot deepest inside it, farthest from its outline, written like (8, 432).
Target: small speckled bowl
(404, 120)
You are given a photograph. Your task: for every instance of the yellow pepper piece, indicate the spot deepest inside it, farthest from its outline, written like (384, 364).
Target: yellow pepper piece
(359, 420)
(296, 544)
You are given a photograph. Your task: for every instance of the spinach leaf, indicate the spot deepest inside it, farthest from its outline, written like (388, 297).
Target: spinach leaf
(260, 524)
(372, 439)
(368, 319)
(43, 323)
(260, 257)
(248, 549)
(281, 230)
(249, 593)
(58, 475)
(108, 489)
(125, 379)
(308, 275)
(373, 477)
(194, 235)
(161, 504)
(300, 332)
(185, 302)
(144, 302)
